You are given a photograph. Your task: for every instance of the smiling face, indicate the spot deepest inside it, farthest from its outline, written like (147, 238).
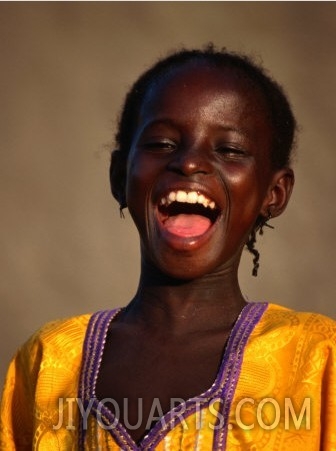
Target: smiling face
(198, 171)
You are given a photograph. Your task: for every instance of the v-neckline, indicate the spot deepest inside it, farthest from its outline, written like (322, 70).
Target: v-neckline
(222, 388)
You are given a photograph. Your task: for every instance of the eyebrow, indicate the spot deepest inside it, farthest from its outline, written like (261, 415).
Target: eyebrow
(163, 121)
(171, 123)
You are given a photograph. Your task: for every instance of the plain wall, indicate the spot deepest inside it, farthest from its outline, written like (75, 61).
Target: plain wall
(65, 68)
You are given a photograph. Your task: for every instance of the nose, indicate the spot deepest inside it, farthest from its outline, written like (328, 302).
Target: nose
(190, 161)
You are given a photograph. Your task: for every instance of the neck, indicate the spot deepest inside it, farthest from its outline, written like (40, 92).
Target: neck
(212, 301)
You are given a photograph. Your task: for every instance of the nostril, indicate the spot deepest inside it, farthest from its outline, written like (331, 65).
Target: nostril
(190, 164)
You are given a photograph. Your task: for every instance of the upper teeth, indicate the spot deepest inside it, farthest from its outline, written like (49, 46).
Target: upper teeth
(191, 197)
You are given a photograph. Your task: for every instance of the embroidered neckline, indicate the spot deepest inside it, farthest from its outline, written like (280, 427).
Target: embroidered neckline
(223, 387)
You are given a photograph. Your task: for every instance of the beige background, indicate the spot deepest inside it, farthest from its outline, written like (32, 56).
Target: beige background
(65, 68)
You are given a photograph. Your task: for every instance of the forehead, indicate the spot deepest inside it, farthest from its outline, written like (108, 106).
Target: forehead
(204, 90)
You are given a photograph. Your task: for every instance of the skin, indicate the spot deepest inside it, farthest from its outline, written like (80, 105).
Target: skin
(203, 129)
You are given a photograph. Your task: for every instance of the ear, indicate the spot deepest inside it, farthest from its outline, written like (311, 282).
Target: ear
(118, 177)
(279, 192)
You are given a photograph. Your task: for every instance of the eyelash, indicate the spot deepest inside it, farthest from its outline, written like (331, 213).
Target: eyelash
(160, 145)
(231, 151)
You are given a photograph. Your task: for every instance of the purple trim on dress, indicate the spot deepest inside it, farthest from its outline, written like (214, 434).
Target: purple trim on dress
(93, 348)
(222, 389)
(232, 364)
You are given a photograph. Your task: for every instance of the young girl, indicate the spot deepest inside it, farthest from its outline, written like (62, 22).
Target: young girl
(202, 163)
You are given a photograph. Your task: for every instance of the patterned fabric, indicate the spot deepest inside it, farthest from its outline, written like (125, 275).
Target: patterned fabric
(275, 390)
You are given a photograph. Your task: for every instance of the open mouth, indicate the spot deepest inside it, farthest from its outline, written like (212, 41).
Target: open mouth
(187, 214)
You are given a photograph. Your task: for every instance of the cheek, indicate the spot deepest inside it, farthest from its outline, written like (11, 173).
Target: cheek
(246, 191)
(141, 174)
(138, 177)
(243, 181)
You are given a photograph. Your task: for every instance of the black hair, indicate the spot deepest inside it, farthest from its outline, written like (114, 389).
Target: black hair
(279, 111)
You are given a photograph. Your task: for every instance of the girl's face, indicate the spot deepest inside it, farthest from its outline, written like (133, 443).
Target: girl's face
(199, 172)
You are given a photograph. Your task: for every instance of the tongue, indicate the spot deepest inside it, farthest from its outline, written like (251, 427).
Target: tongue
(187, 225)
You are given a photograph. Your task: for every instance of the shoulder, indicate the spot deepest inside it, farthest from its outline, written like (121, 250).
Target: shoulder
(308, 320)
(293, 348)
(72, 328)
(303, 326)
(60, 332)
(59, 340)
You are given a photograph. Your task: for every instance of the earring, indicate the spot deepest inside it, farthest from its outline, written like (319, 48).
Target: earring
(122, 205)
(264, 223)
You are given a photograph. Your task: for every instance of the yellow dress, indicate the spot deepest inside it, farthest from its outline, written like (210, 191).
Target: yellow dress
(275, 390)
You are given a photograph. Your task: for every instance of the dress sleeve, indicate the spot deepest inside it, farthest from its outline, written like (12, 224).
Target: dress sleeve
(41, 378)
(328, 413)
(17, 404)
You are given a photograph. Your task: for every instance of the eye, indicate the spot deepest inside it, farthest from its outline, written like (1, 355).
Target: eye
(231, 152)
(159, 145)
